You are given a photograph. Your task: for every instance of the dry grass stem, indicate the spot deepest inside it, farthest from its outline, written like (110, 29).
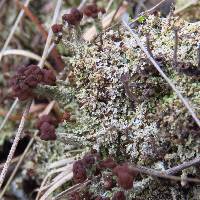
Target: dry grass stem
(9, 113)
(15, 143)
(17, 166)
(21, 14)
(50, 33)
(25, 53)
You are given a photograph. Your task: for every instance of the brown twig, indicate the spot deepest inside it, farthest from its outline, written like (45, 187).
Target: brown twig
(168, 174)
(9, 113)
(33, 18)
(13, 29)
(54, 53)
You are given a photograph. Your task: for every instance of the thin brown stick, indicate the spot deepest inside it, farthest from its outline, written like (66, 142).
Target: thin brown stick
(54, 53)
(33, 18)
(9, 113)
(21, 14)
(50, 33)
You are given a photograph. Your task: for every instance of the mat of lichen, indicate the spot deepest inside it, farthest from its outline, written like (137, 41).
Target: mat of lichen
(124, 108)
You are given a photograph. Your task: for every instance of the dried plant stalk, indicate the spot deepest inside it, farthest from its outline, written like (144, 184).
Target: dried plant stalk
(15, 143)
(21, 14)
(9, 113)
(17, 166)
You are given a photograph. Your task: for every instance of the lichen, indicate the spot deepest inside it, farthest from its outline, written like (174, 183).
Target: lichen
(123, 107)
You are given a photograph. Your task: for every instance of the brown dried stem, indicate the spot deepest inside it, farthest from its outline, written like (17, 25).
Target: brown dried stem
(9, 113)
(17, 166)
(15, 143)
(54, 53)
(21, 14)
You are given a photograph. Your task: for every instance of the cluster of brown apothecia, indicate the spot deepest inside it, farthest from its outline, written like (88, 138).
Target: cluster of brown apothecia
(27, 78)
(91, 166)
(23, 84)
(74, 18)
(46, 126)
